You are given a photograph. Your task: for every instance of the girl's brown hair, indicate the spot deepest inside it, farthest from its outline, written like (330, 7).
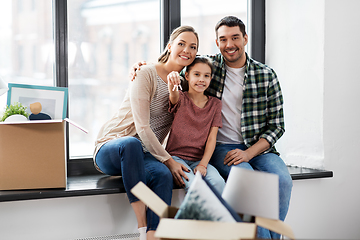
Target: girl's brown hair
(201, 59)
(164, 57)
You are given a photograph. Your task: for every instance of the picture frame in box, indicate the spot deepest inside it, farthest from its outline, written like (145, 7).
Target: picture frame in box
(53, 100)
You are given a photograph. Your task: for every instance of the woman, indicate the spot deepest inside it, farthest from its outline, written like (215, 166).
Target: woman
(130, 144)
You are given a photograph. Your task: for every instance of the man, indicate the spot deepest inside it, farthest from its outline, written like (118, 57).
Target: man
(252, 112)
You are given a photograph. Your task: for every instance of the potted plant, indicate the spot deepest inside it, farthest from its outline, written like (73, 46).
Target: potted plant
(14, 113)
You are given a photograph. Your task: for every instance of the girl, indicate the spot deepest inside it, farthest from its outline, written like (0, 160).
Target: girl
(197, 118)
(130, 144)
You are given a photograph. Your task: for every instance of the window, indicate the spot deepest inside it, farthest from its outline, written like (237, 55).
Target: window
(304, 94)
(105, 39)
(92, 44)
(26, 43)
(123, 32)
(203, 16)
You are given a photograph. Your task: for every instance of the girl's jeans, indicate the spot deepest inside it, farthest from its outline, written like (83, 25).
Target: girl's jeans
(125, 157)
(212, 175)
(268, 162)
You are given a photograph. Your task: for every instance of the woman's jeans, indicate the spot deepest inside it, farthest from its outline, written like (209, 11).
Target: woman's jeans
(125, 157)
(212, 175)
(268, 162)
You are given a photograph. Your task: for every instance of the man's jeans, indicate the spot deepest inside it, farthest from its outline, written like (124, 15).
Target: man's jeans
(268, 162)
(125, 157)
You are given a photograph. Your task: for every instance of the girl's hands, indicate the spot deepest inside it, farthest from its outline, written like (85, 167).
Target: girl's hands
(173, 79)
(177, 170)
(174, 83)
(202, 169)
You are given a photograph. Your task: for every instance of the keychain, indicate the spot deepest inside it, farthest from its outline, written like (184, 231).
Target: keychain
(177, 87)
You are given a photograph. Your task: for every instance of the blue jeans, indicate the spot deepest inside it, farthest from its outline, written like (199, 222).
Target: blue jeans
(268, 162)
(125, 157)
(212, 175)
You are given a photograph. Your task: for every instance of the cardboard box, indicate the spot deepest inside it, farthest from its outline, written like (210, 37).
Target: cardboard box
(32, 155)
(170, 228)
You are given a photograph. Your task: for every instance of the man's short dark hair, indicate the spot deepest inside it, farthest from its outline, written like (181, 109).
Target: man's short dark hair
(230, 21)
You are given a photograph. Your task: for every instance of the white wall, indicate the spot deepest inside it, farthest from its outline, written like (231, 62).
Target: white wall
(70, 218)
(311, 42)
(67, 218)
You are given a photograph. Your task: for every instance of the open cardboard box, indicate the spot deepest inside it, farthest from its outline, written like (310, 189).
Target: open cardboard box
(32, 154)
(170, 228)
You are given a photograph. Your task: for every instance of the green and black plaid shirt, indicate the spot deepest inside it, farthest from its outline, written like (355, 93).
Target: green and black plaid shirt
(262, 105)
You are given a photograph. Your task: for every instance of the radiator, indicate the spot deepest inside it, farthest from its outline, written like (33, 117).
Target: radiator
(127, 236)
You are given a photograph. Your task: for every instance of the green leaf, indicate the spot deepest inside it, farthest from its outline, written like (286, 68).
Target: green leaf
(16, 108)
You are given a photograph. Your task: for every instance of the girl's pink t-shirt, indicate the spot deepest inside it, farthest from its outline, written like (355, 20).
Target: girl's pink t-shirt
(191, 127)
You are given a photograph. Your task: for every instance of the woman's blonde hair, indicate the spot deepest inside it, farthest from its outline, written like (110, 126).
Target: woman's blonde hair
(164, 57)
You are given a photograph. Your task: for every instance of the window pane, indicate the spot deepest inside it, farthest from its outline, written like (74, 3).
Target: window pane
(106, 37)
(204, 14)
(26, 43)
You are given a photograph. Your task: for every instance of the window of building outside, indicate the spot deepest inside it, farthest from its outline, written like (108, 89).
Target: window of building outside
(105, 38)
(26, 43)
(203, 16)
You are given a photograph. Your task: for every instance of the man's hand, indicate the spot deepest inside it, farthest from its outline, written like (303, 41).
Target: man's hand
(236, 156)
(134, 68)
(201, 169)
(177, 170)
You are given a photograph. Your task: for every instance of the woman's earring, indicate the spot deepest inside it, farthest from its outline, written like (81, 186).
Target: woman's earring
(169, 49)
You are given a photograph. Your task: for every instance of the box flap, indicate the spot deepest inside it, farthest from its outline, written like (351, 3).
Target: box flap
(153, 201)
(76, 125)
(196, 229)
(277, 226)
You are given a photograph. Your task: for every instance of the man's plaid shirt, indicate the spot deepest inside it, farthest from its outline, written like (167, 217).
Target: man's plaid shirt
(262, 105)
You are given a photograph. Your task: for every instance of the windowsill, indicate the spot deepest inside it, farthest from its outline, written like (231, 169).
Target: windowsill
(84, 180)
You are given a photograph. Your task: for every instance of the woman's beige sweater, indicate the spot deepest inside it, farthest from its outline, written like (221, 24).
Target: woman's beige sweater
(133, 117)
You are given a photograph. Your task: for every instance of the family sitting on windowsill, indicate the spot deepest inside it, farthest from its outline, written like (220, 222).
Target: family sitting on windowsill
(230, 114)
